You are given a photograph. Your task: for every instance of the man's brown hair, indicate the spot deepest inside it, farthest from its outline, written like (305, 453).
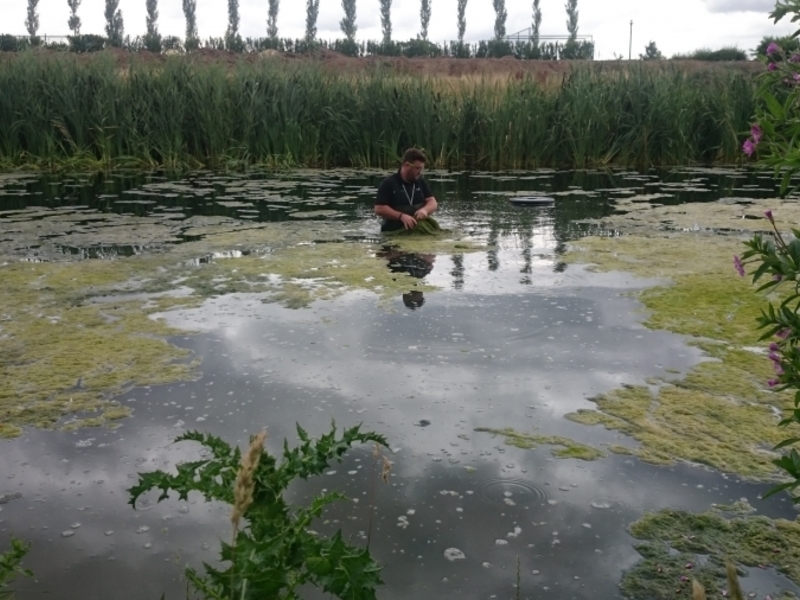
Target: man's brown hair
(413, 155)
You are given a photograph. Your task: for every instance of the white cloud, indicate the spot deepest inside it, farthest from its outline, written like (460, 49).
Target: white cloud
(731, 6)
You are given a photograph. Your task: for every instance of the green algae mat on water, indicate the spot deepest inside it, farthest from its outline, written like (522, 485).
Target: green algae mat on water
(722, 413)
(74, 335)
(677, 546)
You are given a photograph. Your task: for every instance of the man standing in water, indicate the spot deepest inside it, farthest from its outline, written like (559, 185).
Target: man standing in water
(404, 197)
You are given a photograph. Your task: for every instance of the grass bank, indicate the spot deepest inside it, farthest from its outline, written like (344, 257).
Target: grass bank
(66, 111)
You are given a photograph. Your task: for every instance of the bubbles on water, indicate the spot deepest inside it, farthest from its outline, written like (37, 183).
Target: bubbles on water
(67, 533)
(143, 529)
(74, 525)
(515, 533)
(109, 532)
(452, 554)
(500, 542)
(148, 545)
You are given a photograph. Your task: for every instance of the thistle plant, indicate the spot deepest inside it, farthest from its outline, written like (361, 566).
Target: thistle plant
(275, 553)
(11, 566)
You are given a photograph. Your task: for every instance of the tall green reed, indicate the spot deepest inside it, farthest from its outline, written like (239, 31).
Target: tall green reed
(64, 111)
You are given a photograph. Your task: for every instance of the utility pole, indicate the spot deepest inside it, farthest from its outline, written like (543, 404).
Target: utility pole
(630, 41)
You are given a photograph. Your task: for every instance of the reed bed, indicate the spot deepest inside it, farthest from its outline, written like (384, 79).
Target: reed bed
(65, 111)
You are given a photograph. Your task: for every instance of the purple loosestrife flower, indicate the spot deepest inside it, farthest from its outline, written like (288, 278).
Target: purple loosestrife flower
(773, 347)
(772, 67)
(768, 214)
(737, 263)
(778, 369)
(773, 48)
(748, 147)
(795, 58)
(756, 132)
(772, 382)
(774, 357)
(783, 334)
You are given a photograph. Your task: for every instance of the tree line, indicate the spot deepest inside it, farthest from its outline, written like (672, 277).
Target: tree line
(152, 40)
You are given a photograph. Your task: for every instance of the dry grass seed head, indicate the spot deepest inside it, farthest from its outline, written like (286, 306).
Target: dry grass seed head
(245, 483)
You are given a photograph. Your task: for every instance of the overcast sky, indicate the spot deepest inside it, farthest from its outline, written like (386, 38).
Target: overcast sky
(677, 26)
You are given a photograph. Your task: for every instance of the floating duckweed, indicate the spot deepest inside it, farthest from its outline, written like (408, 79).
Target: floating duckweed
(75, 335)
(527, 441)
(721, 413)
(673, 540)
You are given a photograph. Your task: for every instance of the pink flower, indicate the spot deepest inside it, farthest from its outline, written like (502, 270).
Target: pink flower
(774, 357)
(783, 334)
(772, 67)
(737, 264)
(773, 347)
(772, 382)
(756, 132)
(768, 214)
(795, 58)
(773, 48)
(748, 147)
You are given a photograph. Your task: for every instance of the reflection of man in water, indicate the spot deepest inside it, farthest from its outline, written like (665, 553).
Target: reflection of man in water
(404, 197)
(416, 265)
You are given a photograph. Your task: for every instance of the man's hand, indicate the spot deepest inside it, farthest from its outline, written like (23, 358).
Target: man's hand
(421, 214)
(408, 221)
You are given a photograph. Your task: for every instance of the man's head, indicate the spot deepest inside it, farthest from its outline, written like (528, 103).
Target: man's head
(413, 162)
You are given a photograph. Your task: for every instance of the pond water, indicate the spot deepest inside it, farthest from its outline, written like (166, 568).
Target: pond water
(509, 337)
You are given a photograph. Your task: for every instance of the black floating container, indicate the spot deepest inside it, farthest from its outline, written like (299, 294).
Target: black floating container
(532, 200)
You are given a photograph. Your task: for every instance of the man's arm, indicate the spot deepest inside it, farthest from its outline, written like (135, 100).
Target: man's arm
(428, 209)
(430, 205)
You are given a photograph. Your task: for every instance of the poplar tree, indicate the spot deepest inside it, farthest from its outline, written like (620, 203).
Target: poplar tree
(312, 12)
(190, 12)
(425, 18)
(32, 22)
(152, 39)
(272, 22)
(114, 27)
(537, 21)
(348, 23)
(462, 21)
(74, 20)
(232, 33)
(500, 19)
(572, 19)
(386, 21)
